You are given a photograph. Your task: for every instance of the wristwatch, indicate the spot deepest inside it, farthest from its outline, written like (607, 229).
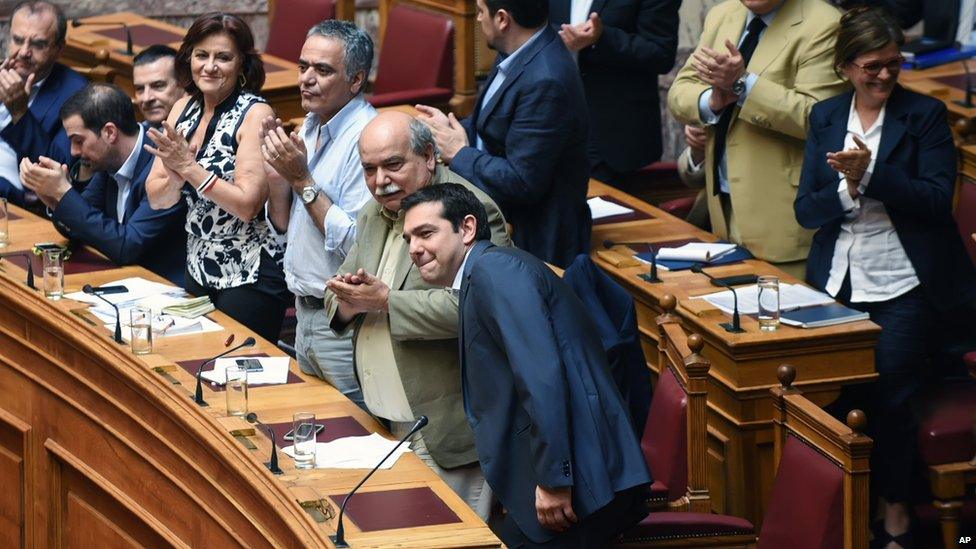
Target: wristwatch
(739, 86)
(309, 194)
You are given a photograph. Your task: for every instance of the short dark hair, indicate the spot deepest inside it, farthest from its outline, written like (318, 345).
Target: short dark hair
(152, 54)
(36, 6)
(530, 14)
(99, 104)
(863, 30)
(457, 203)
(239, 32)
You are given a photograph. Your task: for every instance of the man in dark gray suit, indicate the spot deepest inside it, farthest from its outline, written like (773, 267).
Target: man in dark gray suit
(551, 429)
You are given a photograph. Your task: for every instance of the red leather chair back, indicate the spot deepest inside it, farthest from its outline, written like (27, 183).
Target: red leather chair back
(966, 216)
(806, 510)
(292, 19)
(665, 440)
(417, 52)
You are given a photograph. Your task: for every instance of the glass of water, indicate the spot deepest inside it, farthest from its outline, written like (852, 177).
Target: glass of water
(4, 224)
(53, 274)
(236, 391)
(304, 439)
(768, 303)
(141, 327)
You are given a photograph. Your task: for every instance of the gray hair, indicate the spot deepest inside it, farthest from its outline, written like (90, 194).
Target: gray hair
(359, 46)
(421, 138)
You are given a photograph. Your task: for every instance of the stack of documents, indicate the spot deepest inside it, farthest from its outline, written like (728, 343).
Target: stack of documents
(702, 252)
(354, 452)
(600, 208)
(190, 308)
(822, 315)
(274, 370)
(791, 296)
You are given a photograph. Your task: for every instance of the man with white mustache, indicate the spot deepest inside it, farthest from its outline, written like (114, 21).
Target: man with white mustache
(317, 189)
(404, 329)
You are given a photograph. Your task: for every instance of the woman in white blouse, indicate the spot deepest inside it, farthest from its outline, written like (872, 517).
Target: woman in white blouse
(877, 184)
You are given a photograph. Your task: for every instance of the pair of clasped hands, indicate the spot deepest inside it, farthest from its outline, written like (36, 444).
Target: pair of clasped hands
(359, 292)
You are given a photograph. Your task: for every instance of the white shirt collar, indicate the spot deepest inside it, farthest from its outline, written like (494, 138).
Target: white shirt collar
(767, 18)
(460, 274)
(127, 171)
(854, 121)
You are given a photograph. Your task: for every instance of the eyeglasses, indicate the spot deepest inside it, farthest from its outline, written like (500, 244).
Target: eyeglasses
(873, 69)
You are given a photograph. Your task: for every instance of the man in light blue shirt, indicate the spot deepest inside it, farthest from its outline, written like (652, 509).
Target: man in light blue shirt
(317, 189)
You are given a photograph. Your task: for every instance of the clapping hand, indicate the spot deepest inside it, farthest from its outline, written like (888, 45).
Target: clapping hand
(173, 150)
(583, 35)
(47, 178)
(285, 153)
(361, 292)
(719, 70)
(14, 90)
(448, 132)
(852, 163)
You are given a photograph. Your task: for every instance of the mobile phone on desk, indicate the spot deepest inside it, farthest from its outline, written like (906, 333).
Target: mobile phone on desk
(250, 365)
(47, 247)
(304, 430)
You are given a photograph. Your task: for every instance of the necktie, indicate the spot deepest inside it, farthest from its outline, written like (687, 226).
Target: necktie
(747, 48)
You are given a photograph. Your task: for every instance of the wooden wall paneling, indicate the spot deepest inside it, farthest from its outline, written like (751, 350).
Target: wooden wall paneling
(15, 493)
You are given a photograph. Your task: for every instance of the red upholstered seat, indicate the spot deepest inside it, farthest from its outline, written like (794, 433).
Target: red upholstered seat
(292, 19)
(806, 508)
(970, 360)
(945, 432)
(678, 207)
(665, 440)
(671, 525)
(966, 216)
(416, 60)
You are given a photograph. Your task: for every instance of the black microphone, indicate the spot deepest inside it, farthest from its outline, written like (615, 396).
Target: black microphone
(88, 289)
(273, 463)
(647, 277)
(30, 266)
(128, 33)
(339, 539)
(198, 394)
(734, 326)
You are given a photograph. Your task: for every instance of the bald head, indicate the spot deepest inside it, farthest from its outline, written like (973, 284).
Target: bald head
(398, 156)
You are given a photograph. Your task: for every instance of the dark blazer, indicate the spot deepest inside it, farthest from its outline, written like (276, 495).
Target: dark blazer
(39, 132)
(941, 17)
(619, 72)
(535, 168)
(537, 389)
(154, 239)
(914, 177)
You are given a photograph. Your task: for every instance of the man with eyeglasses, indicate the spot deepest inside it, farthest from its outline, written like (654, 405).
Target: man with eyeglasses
(759, 68)
(33, 86)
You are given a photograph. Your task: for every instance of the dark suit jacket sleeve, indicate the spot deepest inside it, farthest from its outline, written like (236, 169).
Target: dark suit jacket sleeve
(123, 243)
(518, 319)
(29, 138)
(539, 128)
(11, 193)
(651, 49)
(908, 12)
(817, 201)
(927, 196)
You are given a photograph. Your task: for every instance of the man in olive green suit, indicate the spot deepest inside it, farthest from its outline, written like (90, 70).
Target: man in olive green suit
(758, 70)
(406, 347)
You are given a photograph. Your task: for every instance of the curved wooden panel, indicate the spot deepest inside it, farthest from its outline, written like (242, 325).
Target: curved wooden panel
(96, 450)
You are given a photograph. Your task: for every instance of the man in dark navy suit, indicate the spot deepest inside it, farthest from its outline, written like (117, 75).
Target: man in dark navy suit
(525, 145)
(551, 429)
(621, 46)
(112, 214)
(32, 88)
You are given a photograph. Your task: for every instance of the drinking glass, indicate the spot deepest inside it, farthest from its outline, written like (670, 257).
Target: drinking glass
(768, 303)
(4, 224)
(304, 439)
(141, 327)
(236, 391)
(53, 274)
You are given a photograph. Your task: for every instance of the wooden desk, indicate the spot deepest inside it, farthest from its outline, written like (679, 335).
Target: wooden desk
(101, 448)
(740, 416)
(82, 43)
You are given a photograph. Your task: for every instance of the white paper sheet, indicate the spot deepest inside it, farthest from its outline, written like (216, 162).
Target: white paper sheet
(600, 208)
(355, 452)
(791, 296)
(275, 370)
(138, 289)
(696, 251)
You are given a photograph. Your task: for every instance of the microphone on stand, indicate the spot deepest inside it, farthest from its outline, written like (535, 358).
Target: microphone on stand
(733, 327)
(648, 277)
(968, 103)
(88, 289)
(30, 266)
(272, 464)
(128, 32)
(339, 539)
(198, 394)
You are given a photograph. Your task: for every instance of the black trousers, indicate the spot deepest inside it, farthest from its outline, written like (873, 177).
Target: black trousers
(596, 530)
(259, 306)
